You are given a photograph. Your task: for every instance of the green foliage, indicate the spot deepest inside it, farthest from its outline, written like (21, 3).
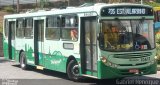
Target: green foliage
(157, 38)
(8, 9)
(153, 4)
(1, 29)
(158, 1)
(43, 3)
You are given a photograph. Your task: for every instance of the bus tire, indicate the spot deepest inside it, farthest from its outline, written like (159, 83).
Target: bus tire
(23, 61)
(73, 71)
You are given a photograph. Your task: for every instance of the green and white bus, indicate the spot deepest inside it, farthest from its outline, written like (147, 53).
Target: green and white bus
(98, 41)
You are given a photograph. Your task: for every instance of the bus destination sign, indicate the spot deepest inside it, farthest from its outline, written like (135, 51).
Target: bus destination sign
(126, 11)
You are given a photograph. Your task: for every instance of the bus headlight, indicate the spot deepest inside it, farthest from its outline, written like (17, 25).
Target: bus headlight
(104, 59)
(111, 64)
(108, 63)
(156, 57)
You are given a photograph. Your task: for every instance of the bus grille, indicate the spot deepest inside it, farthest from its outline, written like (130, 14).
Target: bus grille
(132, 55)
(132, 64)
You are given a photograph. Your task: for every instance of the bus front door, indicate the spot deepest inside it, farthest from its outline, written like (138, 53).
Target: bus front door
(11, 40)
(89, 46)
(38, 41)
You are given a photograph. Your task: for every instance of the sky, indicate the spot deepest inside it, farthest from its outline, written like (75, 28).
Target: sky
(10, 2)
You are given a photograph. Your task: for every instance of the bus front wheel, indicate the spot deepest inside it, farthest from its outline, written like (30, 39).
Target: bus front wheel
(73, 70)
(23, 61)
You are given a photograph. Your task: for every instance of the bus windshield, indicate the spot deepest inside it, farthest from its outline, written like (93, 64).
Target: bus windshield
(127, 35)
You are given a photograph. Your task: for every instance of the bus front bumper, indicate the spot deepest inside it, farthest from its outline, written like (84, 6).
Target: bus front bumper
(107, 72)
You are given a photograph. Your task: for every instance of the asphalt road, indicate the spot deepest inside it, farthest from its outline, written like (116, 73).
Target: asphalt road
(12, 74)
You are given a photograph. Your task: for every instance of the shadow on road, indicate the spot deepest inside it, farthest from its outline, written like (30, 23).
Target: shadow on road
(46, 72)
(136, 80)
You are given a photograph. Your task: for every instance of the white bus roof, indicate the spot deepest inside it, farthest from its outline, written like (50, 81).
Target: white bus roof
(95, 8)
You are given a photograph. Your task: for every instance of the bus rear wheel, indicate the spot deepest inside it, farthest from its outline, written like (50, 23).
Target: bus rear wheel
(73, 71)
(23, 61)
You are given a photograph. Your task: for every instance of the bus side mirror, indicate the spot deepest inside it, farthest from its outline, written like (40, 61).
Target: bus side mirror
(101, 39)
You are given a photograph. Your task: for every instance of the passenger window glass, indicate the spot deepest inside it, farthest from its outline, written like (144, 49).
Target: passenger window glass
(53, 28)
(6, 28)
(70, 28)
(29, 28)
(20, 28)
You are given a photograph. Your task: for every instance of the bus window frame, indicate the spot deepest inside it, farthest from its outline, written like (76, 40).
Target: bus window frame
(28, 27)
(54, 27)
(6, 27)
(22, 27)
(76, 27)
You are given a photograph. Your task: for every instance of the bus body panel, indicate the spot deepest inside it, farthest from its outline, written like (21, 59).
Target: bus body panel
(106, 72)
(5, 48)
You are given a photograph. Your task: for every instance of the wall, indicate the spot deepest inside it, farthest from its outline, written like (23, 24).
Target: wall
(1, 45)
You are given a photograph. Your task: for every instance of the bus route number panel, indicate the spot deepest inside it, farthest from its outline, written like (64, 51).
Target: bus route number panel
(126, 10)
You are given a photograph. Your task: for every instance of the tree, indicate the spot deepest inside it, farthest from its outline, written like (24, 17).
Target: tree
(43, 3)
(8, 9)
(158, 1)
(154, 4)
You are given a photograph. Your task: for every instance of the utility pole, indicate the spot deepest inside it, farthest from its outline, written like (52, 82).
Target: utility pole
(68, 2)
(17, 6)
(98, 1)
(141, 1)
(36, 4)
(13, 4)
(43, 3)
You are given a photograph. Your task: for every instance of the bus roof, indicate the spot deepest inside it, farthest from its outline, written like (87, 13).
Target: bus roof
(94, 8)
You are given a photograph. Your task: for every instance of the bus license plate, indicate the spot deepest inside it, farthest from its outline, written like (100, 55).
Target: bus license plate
(133, 70)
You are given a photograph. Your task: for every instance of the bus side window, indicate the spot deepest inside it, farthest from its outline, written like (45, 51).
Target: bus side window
(70, 28)
(74, 30)
(20, 28)
(158, 15)
(53, 28)
(63, 21)
(74, 34)
(6, 23)
(28, 28)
